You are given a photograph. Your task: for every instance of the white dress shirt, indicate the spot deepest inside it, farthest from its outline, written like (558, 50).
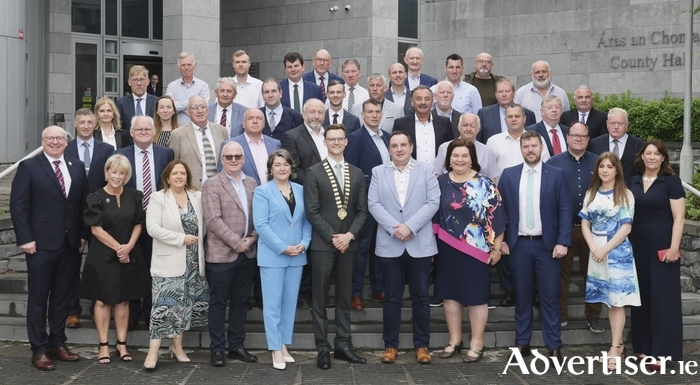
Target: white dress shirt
(413, 81)
(340, 113)
(425, 141)
(620, 144)
(508, 152)
(219, 111)
(81, 150)
(249, 93)
(64, 170)
(399, 99)
(360, 93)
(560, 134)
(142, 103)
(401, 179)
(138, 167)
(240, 191)
(537, 181)
(300, 88)
(318, 141)
(278, 116)
(111, 138)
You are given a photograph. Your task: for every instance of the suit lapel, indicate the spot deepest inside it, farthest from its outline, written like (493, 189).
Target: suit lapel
(189, 133)
(226, 184)
(389, 176)
(371, 145)
(310, 142)
(385, 109)
(283, 202)
(543, 184)
(249, 156)
(172, 205)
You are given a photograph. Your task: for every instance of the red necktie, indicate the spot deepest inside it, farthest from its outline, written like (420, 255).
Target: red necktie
(59, 175)
(556, 145)
(223, 118)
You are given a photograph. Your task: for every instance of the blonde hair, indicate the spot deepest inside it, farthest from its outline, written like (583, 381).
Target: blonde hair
(120, 163)
(115, 112)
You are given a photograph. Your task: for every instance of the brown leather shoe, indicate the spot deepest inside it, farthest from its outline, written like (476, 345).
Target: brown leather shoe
(422, 356)
(389, 356)
(63, 354)
(72, 322)
(356, 303)
(378, 298)
(42, 362)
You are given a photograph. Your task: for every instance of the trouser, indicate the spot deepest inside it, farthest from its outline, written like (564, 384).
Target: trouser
(580, 247)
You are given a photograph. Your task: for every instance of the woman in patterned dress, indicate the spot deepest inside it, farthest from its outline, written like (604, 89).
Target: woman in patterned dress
(470, 226)
(606, 220)
(164, 119)
(180, 291)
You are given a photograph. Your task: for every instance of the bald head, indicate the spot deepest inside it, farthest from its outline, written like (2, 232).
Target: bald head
(322, 62)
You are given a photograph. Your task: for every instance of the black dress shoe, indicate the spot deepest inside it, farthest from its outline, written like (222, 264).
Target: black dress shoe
(259, 303)
(304, 301)
(348, 355)
(217, 359)
(536, 301)
(324, 360)
(524, 350)
(242, 355)
(555, 353)
(133, 324)
(509, 300)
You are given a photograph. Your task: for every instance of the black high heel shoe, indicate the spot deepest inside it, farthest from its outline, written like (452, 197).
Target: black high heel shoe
(107, 357)
(125, 357)
(456, 349)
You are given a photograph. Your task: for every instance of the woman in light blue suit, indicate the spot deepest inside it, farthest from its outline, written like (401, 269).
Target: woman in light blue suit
(284, 234)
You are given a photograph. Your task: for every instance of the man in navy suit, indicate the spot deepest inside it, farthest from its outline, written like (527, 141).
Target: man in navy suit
(278, 118)
(225, 111)
(553, 133)
(94, 154)
(155, 88)
(144, 150)
(398, 93)
(368, 148)
(538, 233)
(584, 112)
(47, 202)
(493, 117)
(414, 60)
(321, 75)
(335, 112)
(617, 140)
(295, 90)
(138, 102)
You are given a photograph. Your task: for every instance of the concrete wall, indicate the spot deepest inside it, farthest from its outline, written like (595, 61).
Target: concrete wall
(574, 36)
(60, 65)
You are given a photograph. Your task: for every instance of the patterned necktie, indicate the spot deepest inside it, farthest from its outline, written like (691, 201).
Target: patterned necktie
(556, 144)
(223, 118)
(209, 157)
(147, 187)
(139, 111)
(59, 175)
(529, 197)
(351, 98)
(616, 149)
(583, 117)
(323, 88)
(335, 118)
(86, 157)
(297, 107)
(272, 121)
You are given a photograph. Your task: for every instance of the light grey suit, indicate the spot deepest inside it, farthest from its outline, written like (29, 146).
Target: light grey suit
(184, 142)
(390, 112)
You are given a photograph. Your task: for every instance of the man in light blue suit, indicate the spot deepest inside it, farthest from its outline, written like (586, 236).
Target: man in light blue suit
(403, 197)
(295, 90)
(225, 111)
(376, 86)
(492, 117)
(537, 237)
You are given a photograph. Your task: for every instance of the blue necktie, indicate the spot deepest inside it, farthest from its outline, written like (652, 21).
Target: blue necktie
(139, 111)
(86, 156)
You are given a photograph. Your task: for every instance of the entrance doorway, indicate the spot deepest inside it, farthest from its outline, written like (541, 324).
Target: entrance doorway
(154, 65)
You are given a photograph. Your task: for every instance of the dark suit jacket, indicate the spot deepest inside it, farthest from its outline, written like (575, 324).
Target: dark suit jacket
(441, 125)
(311, 77)
(161, 157)
(311, 90)
(158, 92)
(100, 154)
(350, 121)
(40, 212)
(249, 167)
(407, 107)
(125, 104)
(322, 211)
(236, 118)
(361, 152)
(491, 122)
(303, 150)
(454, 120)
(555, 205)
(122, 137)
(425, 80)
(290, 119)
(595, 120)
(539, 127)
(601, 144)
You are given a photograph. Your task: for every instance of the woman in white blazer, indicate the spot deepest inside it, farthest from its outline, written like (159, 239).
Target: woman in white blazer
(180, 291)
(284, 234)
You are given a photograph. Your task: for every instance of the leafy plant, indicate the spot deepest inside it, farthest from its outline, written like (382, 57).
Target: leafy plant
(692, 203)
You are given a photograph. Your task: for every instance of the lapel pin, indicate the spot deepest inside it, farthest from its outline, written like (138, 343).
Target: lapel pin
(107, 200)
(70, 163)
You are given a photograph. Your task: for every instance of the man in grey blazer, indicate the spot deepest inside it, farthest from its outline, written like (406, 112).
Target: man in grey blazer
(335, 199)
(403, 197)
(376, 86)
(198, 141)
(225, 111)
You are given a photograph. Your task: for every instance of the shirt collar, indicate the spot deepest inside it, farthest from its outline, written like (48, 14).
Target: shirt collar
(149, 149)
(622, 140)
(230, 178)
(90, 141)
(537, 168)
(299, 83)
(312, 132)
(332, 163)
(249, 140)
(278, 111)
(430, 118)
(51, 159)
(326, 78)
(379, 132)
(409, 166)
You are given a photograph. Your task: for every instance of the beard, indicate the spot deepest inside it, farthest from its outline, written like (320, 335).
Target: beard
(314, 126)
(541, 84)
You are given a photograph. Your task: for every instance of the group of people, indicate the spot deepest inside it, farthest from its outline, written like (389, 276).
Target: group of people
(279, 187)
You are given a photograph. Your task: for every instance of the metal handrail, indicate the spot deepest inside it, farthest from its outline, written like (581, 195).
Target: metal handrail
(691, 189)
(32, 154)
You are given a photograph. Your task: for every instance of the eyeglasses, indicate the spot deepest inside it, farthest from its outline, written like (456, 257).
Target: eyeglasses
(231, 157)
(142, 130)
(484, 62)
(322, 60)
(198, 108)
(335, 140)
(139, 80)
(55, 138)
(578, 136)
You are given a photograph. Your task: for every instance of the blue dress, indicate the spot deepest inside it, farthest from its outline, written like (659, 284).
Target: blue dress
(614, 280)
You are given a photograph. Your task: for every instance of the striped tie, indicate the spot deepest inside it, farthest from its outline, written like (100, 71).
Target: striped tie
(59, 175)
(351, 98)
(208, 154)
(147, 188)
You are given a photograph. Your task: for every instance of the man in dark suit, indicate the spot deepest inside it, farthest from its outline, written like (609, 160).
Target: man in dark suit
(584, 112)
(537, 237)
(368, 148)
(619, 141)
(47, 202)
(493, 117)
(144, 150)
(444, 96)
(414, 60)
(376, 87)
(321, 75)
(138, 102)
(225, 111)
(278, 118)
(94, 154)
(335, 199)
(295, 90)
(336, 113)
(155, 88)
(418, 126)
(397, 92)
(553, 133)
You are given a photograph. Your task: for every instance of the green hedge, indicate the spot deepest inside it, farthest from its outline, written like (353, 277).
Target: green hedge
(661, 119)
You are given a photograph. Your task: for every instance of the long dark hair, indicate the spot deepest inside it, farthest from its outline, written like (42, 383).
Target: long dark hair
(620, 189)
(664, 169)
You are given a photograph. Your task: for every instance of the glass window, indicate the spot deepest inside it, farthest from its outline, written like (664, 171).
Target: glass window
(111, 46)
(111, 17)
(85, 16)
(135, 18)
(85, 75)
(111, 85)
(408, 19)
(158, 19)
(111, 65)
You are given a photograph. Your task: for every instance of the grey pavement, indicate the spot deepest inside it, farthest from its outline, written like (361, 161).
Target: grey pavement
(16, 368)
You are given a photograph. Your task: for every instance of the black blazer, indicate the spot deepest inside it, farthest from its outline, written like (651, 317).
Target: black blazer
(363, 153)
(290, 119)
(596, 121)
(125, 104)
(122, 137)
(441, 125)
(303, 150)
(539, 127)
(158, 92)
(322, 211)
(454, 120)
(601, 144)
(100, 154)
(491, 121)
(350, 121)
(161, 157)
